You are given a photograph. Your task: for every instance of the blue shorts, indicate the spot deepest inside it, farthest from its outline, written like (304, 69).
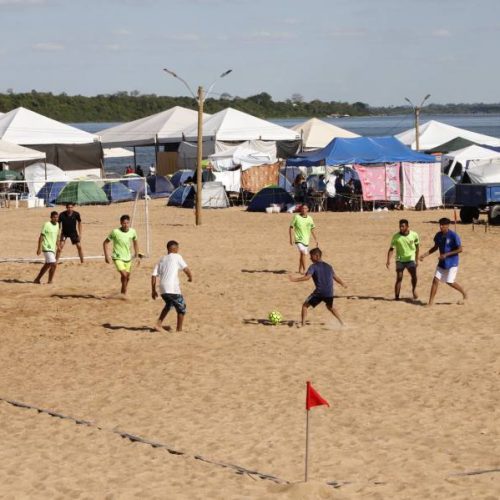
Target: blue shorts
(174, 300)
(314, 300)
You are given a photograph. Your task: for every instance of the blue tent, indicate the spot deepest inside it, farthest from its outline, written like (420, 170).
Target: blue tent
(362, 150)
(448, 187)
(181, 176)
(183, 196)
(50, 191)
(116, 191)
(267, 196)
(136, 184)
(160, 186)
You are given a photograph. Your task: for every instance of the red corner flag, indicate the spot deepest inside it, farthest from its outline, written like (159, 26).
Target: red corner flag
(313, 398)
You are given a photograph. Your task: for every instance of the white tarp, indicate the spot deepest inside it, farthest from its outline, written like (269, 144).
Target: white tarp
(421, 179)
(232, 125)
(247, 154)
(22, 126)
(484, 171)
(12, 152)
(187, 154)
(162, 127)
(316, 134)
(231, 179)
(468, 157)
(434, 133)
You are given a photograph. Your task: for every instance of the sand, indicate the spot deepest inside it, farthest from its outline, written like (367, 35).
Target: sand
(413, 391)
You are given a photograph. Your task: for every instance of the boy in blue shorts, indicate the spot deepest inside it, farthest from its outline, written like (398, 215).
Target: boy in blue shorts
(323, 276)
(167, 271)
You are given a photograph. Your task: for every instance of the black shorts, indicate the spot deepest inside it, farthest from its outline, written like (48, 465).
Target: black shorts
(314, 300)
(401, 266)
(174, 300)
(73, 237)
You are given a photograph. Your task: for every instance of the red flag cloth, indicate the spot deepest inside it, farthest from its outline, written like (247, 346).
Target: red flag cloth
(313, 398)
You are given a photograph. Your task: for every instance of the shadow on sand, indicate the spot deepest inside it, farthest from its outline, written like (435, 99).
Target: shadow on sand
(75, 296)
(266, 322)
(416, 302)
(15, 280)
(148, 329)
(277, 271)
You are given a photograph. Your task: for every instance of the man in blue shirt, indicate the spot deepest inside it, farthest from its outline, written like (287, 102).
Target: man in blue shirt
(323, 276)
(449, 245)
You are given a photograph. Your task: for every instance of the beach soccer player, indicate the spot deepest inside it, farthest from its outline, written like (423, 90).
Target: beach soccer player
(300, 231)
(122, 238)
(47, 243)
(449, 245)
(167, 272)
(406, 243)
(323, 276)
(71, 227)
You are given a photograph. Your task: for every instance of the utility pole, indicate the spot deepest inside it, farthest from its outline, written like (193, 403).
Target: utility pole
(416, 111)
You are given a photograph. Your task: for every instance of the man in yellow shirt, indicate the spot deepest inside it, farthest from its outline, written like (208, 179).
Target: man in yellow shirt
(47, 243)
(406, 243)
(121, 238)
(300, 230)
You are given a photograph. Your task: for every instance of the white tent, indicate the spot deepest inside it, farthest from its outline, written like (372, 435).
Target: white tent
(434, 133)
(38, 174)
(316, 134)
(232, 125)
(469, 157)
(12, 152)
(117, 153)
(154, 129)
(213, 195)
(26, 127)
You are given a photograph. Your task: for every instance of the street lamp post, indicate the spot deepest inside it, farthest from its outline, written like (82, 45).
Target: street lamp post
(200, 99)
(416, 111)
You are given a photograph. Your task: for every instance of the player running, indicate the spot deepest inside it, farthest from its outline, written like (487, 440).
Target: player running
(47, 243)
(301, 228)
(71, 227)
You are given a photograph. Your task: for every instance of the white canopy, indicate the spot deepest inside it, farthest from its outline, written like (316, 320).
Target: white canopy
(117, 153)
(434, 133)
(26, 127)
(158, 128)
(469, 156)
(316, 134)
(232, 125)
(12, 152)
(39, 173)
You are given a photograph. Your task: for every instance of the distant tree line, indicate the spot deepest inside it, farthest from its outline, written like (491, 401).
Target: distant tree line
(126, 106)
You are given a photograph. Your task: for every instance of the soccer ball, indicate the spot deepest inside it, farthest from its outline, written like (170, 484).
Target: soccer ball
(274, 318)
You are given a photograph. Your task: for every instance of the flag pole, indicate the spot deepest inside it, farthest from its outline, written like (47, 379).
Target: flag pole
(307, 445)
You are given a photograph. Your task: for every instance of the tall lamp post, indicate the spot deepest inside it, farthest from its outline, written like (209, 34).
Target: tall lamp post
(200, 99)
(416, 111)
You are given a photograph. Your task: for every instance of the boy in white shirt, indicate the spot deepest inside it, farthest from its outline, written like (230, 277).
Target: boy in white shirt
(167, 270)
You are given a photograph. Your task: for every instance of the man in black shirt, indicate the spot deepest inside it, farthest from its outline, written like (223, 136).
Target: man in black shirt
(71, 227)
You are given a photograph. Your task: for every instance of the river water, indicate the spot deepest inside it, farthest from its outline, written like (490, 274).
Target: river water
(368, 126)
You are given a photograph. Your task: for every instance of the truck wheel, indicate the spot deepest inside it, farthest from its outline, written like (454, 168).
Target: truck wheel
(468, 214)
(494, 215)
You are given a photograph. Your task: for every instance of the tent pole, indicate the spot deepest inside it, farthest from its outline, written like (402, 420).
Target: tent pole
(135, 160)
(156, 150)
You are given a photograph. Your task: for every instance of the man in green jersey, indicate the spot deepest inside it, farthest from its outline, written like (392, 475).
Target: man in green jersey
(406, 243)
(47, 243)
(300, 230)
(121, 238)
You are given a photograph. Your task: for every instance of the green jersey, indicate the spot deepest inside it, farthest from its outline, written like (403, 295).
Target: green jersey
(405, 246)
(49, 232)
(302, 227)
(121, 243)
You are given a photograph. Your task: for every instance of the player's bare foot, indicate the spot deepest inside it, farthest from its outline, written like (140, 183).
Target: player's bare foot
(415, 295)
(158, 326)
(37, 282)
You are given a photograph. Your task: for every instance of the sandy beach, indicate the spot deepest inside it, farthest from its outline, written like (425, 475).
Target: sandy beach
(413, 391)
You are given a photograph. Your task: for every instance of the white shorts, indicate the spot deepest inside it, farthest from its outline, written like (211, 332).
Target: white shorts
(446, 275)
(302, 248)
(50, 257)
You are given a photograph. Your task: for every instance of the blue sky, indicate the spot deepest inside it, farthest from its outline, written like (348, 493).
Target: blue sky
(376, 51)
